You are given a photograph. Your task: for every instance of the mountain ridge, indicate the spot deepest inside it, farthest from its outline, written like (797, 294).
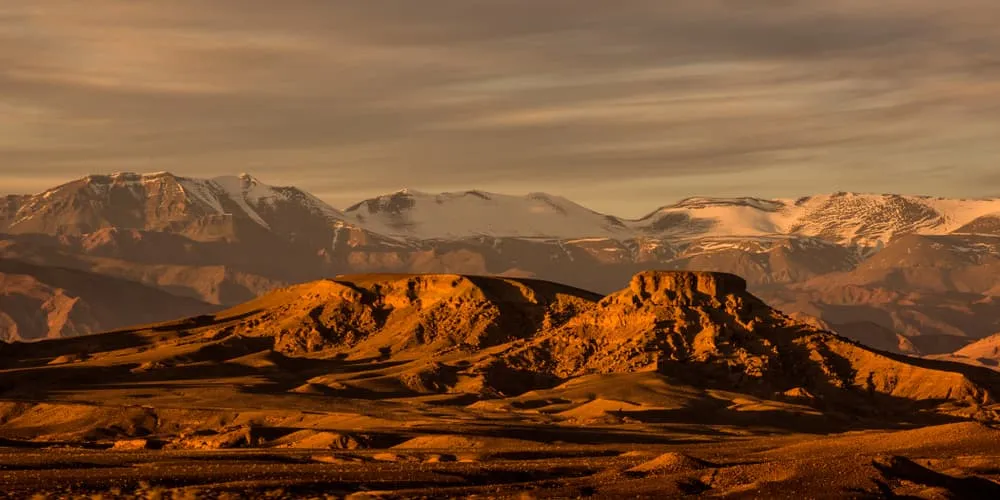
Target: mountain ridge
(228, 239)
(843, 217)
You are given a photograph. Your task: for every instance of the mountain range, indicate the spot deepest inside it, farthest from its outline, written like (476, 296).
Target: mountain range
(910, 274)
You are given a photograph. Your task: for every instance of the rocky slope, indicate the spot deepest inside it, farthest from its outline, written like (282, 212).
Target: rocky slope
(384, 335)
(706, 327)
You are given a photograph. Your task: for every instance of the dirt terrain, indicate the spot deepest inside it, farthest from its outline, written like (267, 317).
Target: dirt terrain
(399, 386)
(563, 461)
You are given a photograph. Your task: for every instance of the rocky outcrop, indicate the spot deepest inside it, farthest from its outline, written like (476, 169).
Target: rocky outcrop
(684, 285)
(706, 329)
(378, 315)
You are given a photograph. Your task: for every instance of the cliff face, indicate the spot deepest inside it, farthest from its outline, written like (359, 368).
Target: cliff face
(377, 315)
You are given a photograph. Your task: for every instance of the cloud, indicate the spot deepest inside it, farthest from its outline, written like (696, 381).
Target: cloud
(663, 99)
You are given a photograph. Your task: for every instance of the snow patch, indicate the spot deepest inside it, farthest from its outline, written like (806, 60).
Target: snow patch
(864, 220)
(414, 215)
(243, 189)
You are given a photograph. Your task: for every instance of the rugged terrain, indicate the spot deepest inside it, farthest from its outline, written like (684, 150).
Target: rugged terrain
(984, 352)
(454, 385)
(39, 302)
(910, 274)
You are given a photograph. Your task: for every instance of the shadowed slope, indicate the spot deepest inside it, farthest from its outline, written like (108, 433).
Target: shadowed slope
(372, 315)
(39, 302)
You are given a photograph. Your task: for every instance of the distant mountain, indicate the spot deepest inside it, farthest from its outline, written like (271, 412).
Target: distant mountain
(48, 302)
(920, 267)
(957, 262)
(415, 215)
(845, 219)
(221, 240)
(849, 219)
(207, 209)
(940, 291)
(984, 352)
(223, 208)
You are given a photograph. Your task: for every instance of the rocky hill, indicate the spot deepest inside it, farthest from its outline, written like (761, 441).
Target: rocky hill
(492, 338)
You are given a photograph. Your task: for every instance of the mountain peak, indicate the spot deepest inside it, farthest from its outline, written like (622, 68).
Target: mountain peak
(119, 177)
(743, 201)
(249, 179)
(408, 192)
(160, 200)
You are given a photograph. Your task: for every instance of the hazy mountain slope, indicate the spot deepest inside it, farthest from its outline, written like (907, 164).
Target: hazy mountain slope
(203, 271)
(984, 352)
(987, 224)
(946, 320)
(939, 291)
(988, 347)
(422, 216)
(45, 302)
(953, 263)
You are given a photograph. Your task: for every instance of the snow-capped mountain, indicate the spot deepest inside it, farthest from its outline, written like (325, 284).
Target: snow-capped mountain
(161, 202)
(166, 202)
(863, 220)
(415, 215)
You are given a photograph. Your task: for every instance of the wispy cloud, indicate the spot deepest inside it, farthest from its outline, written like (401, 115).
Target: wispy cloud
(660, 99)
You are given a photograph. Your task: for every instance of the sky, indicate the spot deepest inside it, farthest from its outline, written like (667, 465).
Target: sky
(621, 106)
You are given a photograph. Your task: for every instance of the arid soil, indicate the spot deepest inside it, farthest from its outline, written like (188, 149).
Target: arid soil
(563, 461)
(403, 386)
